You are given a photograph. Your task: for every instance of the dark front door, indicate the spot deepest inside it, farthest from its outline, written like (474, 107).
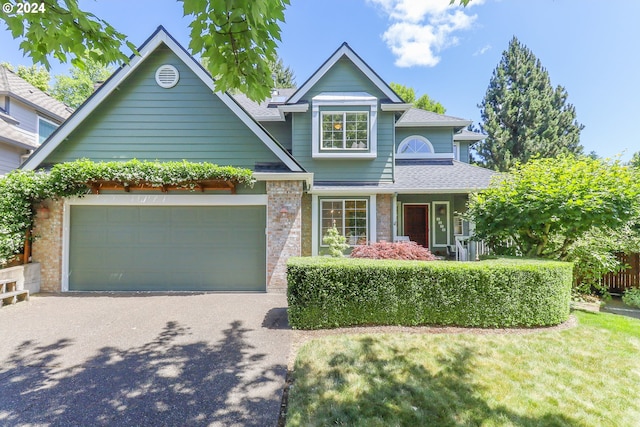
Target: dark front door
(416, 224)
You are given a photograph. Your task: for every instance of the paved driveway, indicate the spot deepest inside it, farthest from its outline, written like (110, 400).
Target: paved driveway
(143, 360)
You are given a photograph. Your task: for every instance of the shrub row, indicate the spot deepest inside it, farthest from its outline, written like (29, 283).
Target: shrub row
(329, 292)
(396, 250)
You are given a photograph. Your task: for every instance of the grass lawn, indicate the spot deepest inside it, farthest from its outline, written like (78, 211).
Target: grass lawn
(588, 375)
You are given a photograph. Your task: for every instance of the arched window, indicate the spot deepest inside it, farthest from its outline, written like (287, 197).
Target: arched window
(415, 146)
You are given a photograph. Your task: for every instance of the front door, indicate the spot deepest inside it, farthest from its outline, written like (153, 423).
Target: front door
(416, 224)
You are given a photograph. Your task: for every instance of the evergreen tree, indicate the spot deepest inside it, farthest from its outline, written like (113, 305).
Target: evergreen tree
(523, 115)
(284, 77)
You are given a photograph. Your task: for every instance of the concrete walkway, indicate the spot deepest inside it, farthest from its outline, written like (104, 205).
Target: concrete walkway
(143, 360)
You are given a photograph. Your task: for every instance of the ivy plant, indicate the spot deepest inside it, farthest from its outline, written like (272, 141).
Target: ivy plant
(21, 191)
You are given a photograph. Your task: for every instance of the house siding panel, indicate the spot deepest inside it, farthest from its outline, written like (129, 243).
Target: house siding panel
(440, 138)
(281, 131)
(9, 158)
(464, 151)
(345, 77)
(23, 114)
(144, 121)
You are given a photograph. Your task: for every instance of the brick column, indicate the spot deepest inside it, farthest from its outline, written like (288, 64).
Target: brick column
(47, 247)
(383, 217)
(284, 234)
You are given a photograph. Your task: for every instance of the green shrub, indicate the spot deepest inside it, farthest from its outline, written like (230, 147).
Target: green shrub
(337, 242)
(329, 292)
(632, 297)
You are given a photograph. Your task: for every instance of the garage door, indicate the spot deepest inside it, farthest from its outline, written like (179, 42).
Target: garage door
(159, 248)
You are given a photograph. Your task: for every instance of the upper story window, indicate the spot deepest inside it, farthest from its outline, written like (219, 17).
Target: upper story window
(415, 146)
(45, 129)
(344, 125)
(348, 130)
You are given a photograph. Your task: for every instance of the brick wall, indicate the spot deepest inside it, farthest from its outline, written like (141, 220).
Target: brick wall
(284, 230)
(306, 224)
(47, 248)
(383, 217)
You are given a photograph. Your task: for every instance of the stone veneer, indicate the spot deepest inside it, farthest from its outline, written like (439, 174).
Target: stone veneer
(284, 230)
(383, 217)
(47, 247)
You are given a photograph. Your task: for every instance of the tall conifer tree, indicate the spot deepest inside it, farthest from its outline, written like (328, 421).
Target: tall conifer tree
(523, 114)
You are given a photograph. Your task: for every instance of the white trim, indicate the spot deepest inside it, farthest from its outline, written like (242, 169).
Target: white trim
(345, 50)
(456, 150)
(148, 200)
(169, 200)
(302, 107)
(314, 225)
(435, 123)
(307, 177)
(448, 226)
(112, 84)
(344, 131)
(395, 107)
(406, 141)
(370, 214)
(342, 99)
(368, 191)
(57, 125)
(425, 156)
(374, 219)
(394, 217)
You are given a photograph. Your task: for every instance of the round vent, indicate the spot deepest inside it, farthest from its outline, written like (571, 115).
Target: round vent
(167, 76)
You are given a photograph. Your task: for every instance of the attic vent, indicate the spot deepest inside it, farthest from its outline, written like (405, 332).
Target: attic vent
(167, 76)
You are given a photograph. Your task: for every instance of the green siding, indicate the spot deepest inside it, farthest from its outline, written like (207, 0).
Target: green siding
(464, 151)
(144, 121)
(440, 138)
(345, 77)
(281, 131)
(159, 248)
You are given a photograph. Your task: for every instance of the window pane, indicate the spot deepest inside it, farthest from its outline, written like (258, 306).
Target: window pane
(355, 223)
(331, 215)
(44, 130)
(356, 136)
(332, 130)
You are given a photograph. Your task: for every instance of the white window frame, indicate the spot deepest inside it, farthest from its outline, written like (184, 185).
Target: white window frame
(344, 130)
(38, 128)
(432, 155)
(447, 225)
(456, 150)
(367, 102)
(342, 231)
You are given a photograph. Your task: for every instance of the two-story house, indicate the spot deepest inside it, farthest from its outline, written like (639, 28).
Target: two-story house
(342, 150)
(27, 117)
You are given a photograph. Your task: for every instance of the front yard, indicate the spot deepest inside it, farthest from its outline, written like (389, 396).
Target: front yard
(587, 375)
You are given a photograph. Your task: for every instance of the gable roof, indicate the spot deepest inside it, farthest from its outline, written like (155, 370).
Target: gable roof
(416, 117)
(345, 50)
(160, 36)
(14, 86)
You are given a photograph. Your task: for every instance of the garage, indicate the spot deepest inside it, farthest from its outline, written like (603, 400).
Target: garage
(167, 248)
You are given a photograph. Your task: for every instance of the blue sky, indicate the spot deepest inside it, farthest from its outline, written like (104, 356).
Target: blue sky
(449, 53)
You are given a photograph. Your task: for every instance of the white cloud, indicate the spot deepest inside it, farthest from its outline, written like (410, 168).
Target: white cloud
(420, 29)
(482, 50)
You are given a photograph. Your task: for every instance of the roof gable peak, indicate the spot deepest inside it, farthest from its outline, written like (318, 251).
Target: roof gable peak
(345, 51)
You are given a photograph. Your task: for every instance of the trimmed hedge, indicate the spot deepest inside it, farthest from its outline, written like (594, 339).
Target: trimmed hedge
(332, 292)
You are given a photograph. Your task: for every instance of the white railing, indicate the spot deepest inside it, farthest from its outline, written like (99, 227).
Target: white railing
(462, 248)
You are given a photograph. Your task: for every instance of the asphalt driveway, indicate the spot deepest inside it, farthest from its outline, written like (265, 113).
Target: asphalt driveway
(143, 360)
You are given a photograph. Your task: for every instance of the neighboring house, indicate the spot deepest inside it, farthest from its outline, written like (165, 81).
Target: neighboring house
(343, 150)
(27, 117)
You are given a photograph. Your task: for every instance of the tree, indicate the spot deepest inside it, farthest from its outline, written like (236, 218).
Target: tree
(523, 115)
(408, 94)
(239, 37)
(37, 76)
(635, 160)
(73, 90)
(284, 77)
(547, 204)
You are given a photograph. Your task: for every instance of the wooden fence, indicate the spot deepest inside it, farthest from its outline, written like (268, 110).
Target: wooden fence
(629, 278)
